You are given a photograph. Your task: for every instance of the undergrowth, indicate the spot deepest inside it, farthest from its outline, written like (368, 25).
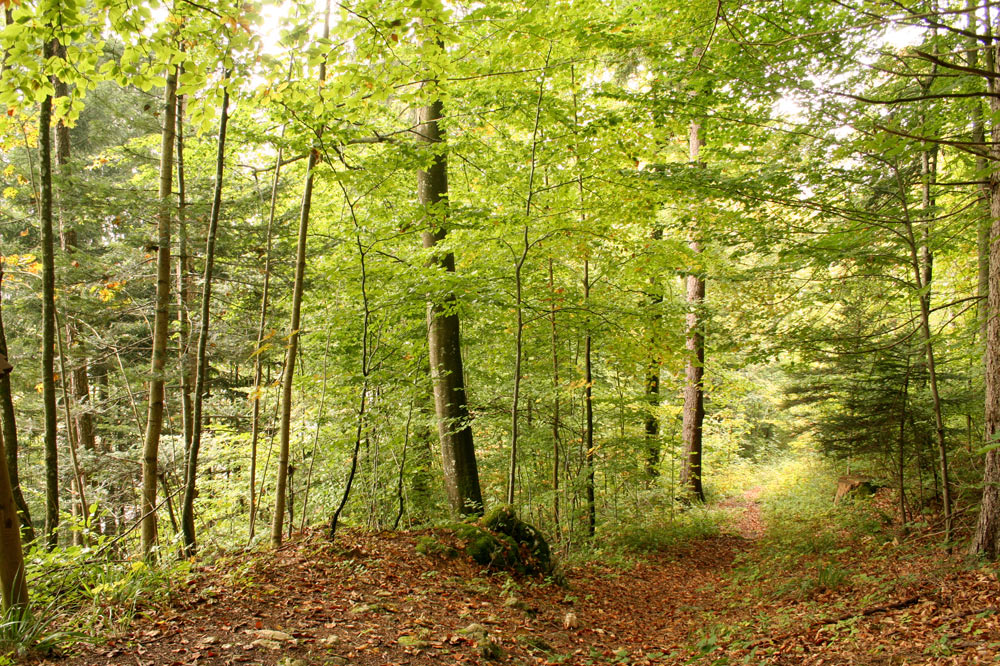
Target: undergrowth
(79, 592)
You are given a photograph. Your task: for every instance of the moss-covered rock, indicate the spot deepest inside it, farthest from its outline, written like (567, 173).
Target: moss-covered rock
(501, 540)
(496, 551)
(503, 520)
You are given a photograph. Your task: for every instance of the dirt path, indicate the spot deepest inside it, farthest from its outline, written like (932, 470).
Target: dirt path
(746, 519)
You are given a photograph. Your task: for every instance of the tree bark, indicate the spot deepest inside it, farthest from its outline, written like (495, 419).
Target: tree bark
(458, 454)
(48, 318)
(6, 396)
(13, 582)
(154, 420)
(288, 373)
(588, 406)
(651, 421)
(556, 443)
(184, 291)
(10, 432)
(201, 374)
(79, 382)
(258, 365)
(694, 394)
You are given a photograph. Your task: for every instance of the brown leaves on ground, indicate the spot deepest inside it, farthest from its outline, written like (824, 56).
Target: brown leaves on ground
(374, 600)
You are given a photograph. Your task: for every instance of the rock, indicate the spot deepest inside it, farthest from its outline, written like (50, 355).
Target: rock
(514, 602)
(361, 609)
(330, 640)
(570, 621)
(337, 661)
(412, 642)
(288, 661)
(534, 642)
(857, 486)
(504, 520)
(271, 635)
(476, 632)
(489, 650)
(268, 644)
(501, 540)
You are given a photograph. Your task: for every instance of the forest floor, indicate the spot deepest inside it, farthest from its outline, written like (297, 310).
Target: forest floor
(740, 596)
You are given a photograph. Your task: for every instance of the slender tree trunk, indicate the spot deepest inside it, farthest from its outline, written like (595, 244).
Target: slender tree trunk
(48, 319)
(518, 285)
(921, 260)
(258, 363)
(518, 355)
(694, 394)
(288, 374)
(13, 581)
(901, 460)
(979, 138)
(79, 429)
(458, 454)
(201, 374)
(184, 291)
(588, 407)
(154, 419)
(400, 497)
(78, 381)
(366, 349)
(10, 432)
(6, 396)
(556, 443)
(651, 420)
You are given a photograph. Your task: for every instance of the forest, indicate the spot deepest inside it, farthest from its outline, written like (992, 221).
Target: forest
(504, 331)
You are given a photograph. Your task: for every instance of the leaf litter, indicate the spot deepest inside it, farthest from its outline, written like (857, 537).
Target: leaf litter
(372, 599)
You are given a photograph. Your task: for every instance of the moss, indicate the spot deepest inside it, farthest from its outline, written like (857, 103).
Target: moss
(504, 520)
(432, 547)
(501, 540)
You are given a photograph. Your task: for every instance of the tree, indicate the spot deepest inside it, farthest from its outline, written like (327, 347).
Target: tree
(13, 577)
(154, 419)
(48, 315)
(458, 454)
(694, 391)
(201, 375)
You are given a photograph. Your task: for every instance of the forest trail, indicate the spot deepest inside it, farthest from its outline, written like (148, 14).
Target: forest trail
(725, 599)
(745, 513)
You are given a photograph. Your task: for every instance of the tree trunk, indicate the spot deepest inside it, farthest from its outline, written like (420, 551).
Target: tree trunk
(588, 407)
(555, 401)
(10, 432)
(458, 455)
(13, 584)
(48, 318)
(154, 420)
(184, 292)
(651, 420)
(78, 381)
(258, 366)
(922, 261)
(201, 374)
(288, 373)
(7, 399)
(694, 395)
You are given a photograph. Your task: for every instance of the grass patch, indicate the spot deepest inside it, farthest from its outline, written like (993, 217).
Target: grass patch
(652, 534)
